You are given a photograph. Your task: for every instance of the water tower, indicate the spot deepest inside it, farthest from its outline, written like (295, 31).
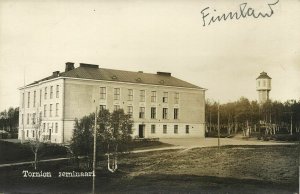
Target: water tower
(263, 87)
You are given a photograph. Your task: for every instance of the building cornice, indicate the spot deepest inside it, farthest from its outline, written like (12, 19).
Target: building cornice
(72, 78)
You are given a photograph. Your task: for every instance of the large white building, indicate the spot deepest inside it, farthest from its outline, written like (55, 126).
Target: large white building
(161, 105)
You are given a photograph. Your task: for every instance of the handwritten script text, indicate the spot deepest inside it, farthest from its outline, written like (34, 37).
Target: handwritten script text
(243, 12)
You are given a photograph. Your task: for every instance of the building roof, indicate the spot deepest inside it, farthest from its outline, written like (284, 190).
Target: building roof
(87, 71)
(263, 75)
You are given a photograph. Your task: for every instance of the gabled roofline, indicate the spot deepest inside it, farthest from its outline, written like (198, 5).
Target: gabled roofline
(130, 83)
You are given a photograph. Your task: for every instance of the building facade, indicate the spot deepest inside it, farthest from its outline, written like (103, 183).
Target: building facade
(161, 105)
(263, 87)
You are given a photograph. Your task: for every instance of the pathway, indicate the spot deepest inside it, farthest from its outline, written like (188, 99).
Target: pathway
(210, 142)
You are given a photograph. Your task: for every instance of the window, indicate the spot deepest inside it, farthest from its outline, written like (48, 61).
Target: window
(40, 118)
(33, 118)
(116, 107)
(176, 113)
(56, 127)
(187, 129)
(258, 83)
(142, 112)
(27, 132)
(45, 97)
(142, 95)
(50, 113)
(44, 127)
(27, 118)
(57, 91)
(153, 96)
(102, 93)
(22, 121)
(130, 111)
(175, 129)
(56, 109)
(51, 92)
(152, 129)
(165, 113)
(130, 94)
(34, 98)
(28, 103)
(116, 93)
(45, 110)
(49, 129)
(165, 97)
(102, 107)
(264, 83)
(40, 98)
(165, 128)
(32, 133)
(176, 98)
(153, 112)
(23, 99)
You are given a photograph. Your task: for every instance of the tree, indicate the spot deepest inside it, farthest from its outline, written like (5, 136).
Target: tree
(227, 115)
(82, 140)
(118, 137)
(15, 120)
(4, 118)
(9, 120)
(113, 135)
(36, 140)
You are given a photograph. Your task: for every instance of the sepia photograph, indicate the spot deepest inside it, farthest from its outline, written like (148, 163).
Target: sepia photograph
(137, 96)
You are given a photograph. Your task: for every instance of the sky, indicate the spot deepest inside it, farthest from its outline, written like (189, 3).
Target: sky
(226, 57)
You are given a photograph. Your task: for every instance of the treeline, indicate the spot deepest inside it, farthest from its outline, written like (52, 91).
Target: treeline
(248, 116)
(9, 120)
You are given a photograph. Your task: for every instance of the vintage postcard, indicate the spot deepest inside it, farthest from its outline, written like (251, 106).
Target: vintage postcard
(136, 96)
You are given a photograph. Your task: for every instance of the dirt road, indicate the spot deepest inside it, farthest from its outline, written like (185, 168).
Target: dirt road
(209, 142)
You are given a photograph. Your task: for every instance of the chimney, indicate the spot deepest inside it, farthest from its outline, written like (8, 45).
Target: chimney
(69, 66)
(89, 65)
(55, 73)
(164, 73)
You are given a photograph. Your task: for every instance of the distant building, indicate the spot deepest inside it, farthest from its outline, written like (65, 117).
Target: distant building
(160, 104)
(263, 87)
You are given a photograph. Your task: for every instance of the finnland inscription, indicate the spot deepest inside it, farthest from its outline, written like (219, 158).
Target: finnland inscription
(211, 15)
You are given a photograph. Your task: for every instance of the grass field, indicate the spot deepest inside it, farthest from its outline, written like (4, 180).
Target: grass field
(16, 152)
(232, 169)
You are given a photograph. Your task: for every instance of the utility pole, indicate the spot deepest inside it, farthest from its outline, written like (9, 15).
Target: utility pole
(209, 120)
(23, 106)
(291, 113)
(94, 157)
(219, 125)
(291, 123)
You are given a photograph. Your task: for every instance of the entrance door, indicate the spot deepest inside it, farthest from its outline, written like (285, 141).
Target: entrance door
(141, 131)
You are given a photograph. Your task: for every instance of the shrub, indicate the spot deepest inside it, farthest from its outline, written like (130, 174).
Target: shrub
(286, 137)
